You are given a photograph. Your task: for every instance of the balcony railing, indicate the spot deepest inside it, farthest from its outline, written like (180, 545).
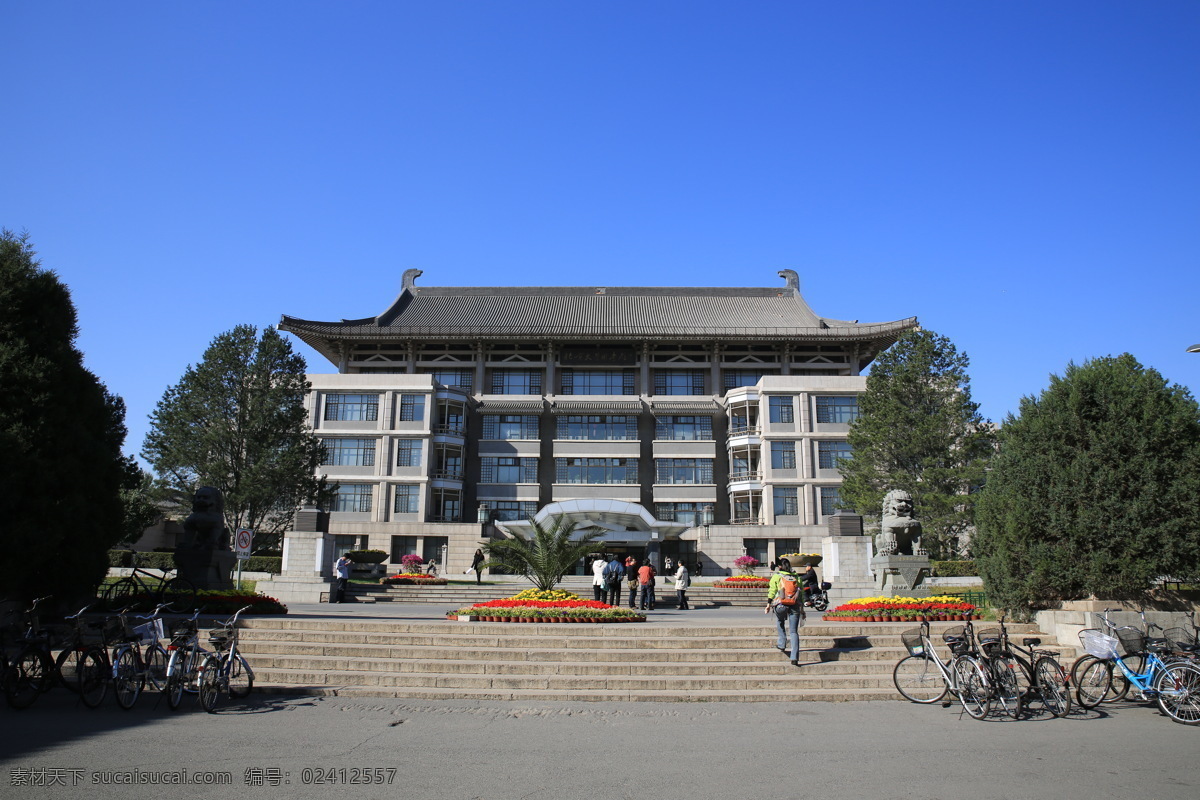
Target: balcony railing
(744, 430)
(745, 475)
(448, 474)
(456, 428)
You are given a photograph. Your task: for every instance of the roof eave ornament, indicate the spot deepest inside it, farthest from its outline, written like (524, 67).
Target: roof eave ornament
(793, 280)
(410, 279)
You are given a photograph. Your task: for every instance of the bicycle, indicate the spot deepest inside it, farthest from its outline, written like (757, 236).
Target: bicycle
(924, 677)
(131, 667)
(31, 672)
(82, 664)
(225, 670)
(1041, 673)
(128, 592)
(184, 659)
(1132, 641)
(1174, 685)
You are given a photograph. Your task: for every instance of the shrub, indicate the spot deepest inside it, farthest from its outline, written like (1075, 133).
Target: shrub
(271, 564)
(955, 569)
(367, 556)
(120, 558)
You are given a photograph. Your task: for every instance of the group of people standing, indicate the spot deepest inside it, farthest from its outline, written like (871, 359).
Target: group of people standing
(639, 578)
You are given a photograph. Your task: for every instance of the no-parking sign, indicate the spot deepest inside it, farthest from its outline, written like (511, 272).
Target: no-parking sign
(242, 541)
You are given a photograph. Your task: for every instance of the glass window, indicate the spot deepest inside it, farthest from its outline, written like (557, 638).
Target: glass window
(756, 548)
(733, 378)
(459, 378)
(787, 503)
(829, 453)
(352, 497)
(783, 455)
(596, 470)
(782, 409)
(403, 546)
(837, 409)
(685, 513)
(408, 452)
(352, 407)
(349, 452)
(679, 381)
(412, 407)
(596, 427)
(507, 469)
(452, 416)
(407, 500)
(508, 427)
(447, 505)
(512, 510)
(683, 470)
(595, 381)
(517, 381)
(684, 428)
(830, 500)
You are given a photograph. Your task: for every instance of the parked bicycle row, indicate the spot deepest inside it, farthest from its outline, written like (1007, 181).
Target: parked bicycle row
(124, 652)
(987, 671)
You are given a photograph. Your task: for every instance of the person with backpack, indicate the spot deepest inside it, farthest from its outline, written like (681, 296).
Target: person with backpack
(785, 596)
(614, 573)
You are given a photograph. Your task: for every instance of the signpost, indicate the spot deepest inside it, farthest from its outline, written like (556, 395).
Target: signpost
(241, 546)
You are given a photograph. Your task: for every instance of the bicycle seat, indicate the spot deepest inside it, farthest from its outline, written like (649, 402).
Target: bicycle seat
(1031, 641)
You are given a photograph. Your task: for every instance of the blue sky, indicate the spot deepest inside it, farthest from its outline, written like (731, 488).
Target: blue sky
(1024, 177)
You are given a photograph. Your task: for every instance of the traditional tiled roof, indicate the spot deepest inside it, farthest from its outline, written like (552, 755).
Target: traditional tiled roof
(595, 313)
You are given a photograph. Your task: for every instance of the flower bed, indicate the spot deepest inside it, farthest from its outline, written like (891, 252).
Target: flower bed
(554, 606)
(903, 609)
(412, 579)
(742, 582)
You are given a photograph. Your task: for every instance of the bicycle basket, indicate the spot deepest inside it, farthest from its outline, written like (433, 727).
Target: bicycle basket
(1098, 644)
(219, 639)
(1180, 638)
(1133, 641)
(912, 642)
(955, 634)
(150, 632)
(988, 637)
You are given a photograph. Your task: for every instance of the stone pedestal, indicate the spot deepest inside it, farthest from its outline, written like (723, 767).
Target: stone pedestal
(307, 562)
(902, 576)
(206, 569)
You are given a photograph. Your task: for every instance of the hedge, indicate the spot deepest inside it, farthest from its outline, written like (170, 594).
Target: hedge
(166, 561)
(954, 569)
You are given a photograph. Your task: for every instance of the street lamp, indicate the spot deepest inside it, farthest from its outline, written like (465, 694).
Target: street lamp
(706, 518)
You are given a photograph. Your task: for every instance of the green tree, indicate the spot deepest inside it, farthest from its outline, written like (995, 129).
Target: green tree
(61, 432)
(546, 556)
(919, 430)
(236, 421)
(140, 498)
(1095, 490)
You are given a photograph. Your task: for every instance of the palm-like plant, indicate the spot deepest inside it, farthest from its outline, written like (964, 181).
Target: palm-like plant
(545, 557)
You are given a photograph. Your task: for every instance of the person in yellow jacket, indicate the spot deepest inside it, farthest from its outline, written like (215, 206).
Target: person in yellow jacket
(791, 616)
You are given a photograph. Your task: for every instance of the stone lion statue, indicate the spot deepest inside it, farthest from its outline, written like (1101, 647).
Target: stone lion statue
(204, 529)
(900, 533)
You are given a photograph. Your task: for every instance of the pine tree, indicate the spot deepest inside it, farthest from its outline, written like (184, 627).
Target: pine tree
(61, 432)
(1095, 490)
(236, 421)
(919, 431)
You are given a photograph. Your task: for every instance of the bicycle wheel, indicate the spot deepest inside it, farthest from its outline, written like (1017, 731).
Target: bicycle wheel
(241, 677)
(127, 679)
(93, 675)
(972, 687)
(210, 683)
(156, 667)
(1004, 670)
(66, 668)
(821, 602)
(919, 679)
(1093, 681)
(121, 594)
(1178, 690)
(178, 667)
(1051, 683)
(178, 593)
(1120, 684)
(29, 676)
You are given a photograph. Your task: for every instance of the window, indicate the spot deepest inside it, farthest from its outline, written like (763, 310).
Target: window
(448, 462)
(593, 381)
(451, 416)
(512, 510)
(459, 378)
(756, 548)
(354, 497)
(782, 409)
(787, 504)
(412, 407)
(830, 500)
(349, 452)
(408, 452)
(447, 505)
(837, 409)
(733, 378)
(585, 426)
(431, 548)
(403, 546)
(683, 470)
(407, 500)
(352, 407)
(686, 513)
(596, 470)
(783, 455)
(829, 453)
(507, 427)
(679, 381)
(684, 428)
(517, 381)
(508, 469)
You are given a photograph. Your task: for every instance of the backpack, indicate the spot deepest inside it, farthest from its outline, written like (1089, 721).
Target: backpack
(613, 574)
(790, 593)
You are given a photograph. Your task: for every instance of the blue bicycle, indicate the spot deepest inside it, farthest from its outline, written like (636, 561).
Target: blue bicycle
(1173, 684)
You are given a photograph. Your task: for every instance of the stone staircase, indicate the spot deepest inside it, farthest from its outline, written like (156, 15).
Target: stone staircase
(572, 662)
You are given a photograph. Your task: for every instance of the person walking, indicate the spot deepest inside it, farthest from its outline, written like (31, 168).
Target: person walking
(668, 565)
(646, 576)
(785, 596)
(476, 566)
(614, 573)
(631, 580)
(599, 583)
(682, 579)
(341, 571)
